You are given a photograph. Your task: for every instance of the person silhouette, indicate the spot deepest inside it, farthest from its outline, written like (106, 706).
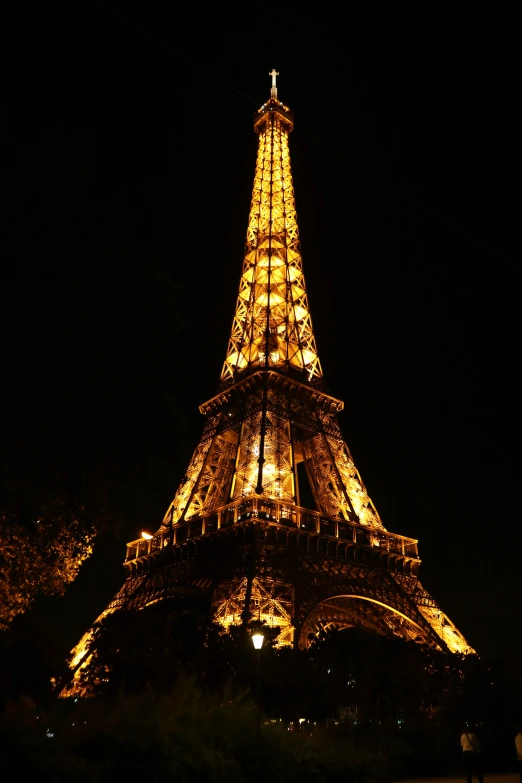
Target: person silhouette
(470, 745)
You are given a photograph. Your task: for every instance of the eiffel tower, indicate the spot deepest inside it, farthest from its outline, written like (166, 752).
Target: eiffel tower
(236, 531)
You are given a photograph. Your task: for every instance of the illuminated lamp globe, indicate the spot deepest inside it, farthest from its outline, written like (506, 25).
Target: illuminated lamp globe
(146, 535)
(257, 640)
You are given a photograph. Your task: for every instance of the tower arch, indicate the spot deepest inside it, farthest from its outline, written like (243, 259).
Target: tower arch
(353, 610)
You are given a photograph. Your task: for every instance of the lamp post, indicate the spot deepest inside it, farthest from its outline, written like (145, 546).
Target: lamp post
(257, 641)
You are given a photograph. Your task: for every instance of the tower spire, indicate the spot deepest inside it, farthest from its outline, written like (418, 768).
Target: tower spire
(272, 326)
(273, 92)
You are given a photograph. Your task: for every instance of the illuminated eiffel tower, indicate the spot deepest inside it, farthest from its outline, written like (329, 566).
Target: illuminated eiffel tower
(236, 531)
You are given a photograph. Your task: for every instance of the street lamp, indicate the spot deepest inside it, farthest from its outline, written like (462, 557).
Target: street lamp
(146, 535)
(257, 640)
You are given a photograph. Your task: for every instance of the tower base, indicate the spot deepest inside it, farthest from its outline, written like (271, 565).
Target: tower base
(288, 572)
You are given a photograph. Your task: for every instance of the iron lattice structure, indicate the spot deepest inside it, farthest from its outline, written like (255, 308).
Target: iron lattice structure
(235, 530)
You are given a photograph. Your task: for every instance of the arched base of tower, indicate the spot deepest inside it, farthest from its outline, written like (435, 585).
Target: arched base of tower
(352, 611)
(293, 580)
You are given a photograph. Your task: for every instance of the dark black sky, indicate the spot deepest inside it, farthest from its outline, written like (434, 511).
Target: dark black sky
(128, 157)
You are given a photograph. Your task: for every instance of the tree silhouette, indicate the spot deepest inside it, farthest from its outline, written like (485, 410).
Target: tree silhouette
(41, 552)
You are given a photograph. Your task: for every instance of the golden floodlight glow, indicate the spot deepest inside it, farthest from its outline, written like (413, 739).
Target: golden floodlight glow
(146, 535)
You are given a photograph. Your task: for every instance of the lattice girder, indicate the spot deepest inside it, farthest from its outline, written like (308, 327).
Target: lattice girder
(271, 602)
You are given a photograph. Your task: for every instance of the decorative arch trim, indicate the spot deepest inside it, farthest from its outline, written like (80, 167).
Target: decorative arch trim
(363, 598)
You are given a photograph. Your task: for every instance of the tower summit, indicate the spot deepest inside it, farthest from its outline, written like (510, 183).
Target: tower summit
(236, 532)
(272, 327)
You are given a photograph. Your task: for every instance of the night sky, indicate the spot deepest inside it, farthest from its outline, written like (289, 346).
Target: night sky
(128, 157)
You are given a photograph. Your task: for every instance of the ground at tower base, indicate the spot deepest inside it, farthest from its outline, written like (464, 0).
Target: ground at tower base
(186, 701)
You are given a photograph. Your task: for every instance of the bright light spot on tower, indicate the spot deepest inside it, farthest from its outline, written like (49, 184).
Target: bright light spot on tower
(257, 640)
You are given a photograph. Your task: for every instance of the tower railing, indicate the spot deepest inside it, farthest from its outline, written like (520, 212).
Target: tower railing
(257, 507)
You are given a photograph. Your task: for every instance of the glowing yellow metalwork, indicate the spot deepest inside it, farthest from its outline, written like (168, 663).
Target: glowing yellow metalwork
(272, 325)
(270, 603)
(355, 489)
(185, 490)
(277, 476)
(207, 480)
(443, 626)
(80, 658)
